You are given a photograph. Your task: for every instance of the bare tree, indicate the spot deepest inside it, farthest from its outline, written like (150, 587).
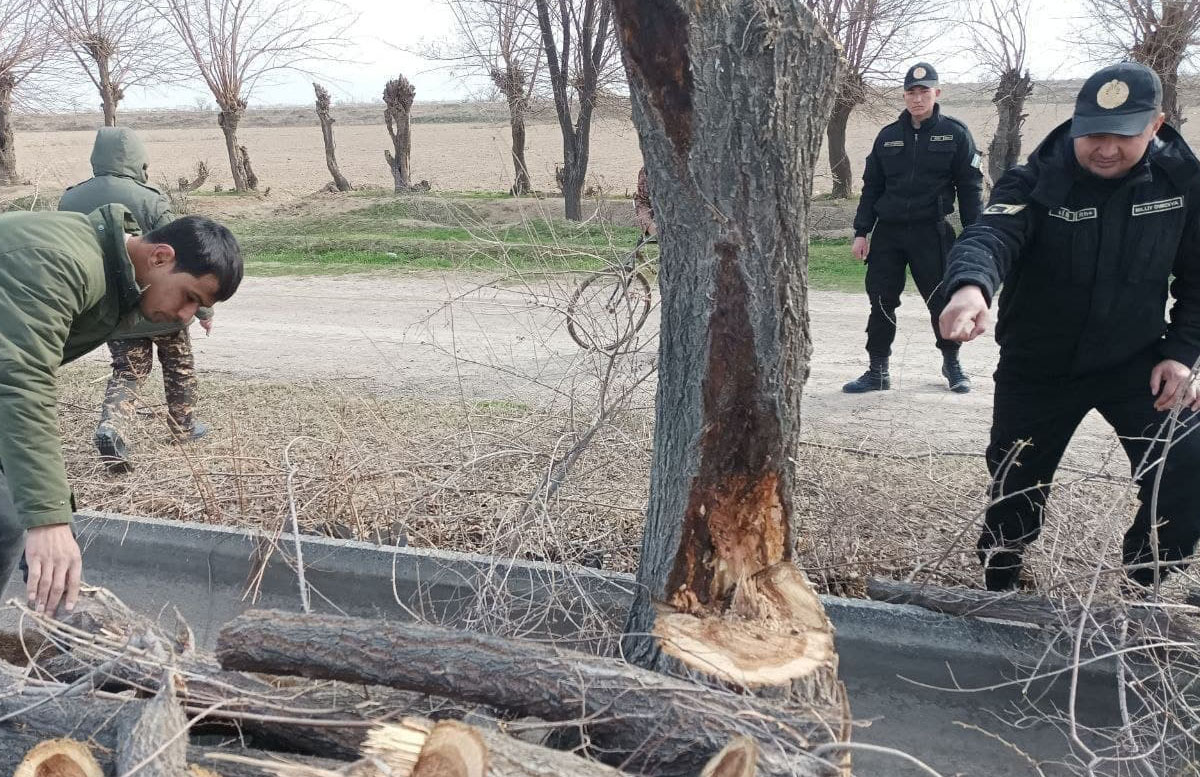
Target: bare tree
(501, 40)
(581, 60)
(998, 34)
(1157, 33)
(398, 95)
(326, 118)
(234, 45)
(875, 35)
(118, 43)
(25, 46)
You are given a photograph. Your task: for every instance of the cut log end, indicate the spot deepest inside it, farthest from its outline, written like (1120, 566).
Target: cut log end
(775, 635)
(739, 758)
(452, 750)
(59, 758)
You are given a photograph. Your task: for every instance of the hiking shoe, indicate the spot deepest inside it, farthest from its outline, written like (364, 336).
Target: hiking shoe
(1002, 570)
(113, 451)
(871, 380)
(954, 375)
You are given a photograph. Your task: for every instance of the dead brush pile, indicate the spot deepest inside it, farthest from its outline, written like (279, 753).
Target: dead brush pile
(470, 476)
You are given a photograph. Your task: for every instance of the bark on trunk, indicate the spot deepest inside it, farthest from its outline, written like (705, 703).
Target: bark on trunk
(228, 119)
(511, 83)
(648, 722)
(8, 147)
(110, 93)
(153, 743)
(1163, 50)
(326, 118)
(839, 160)
(1004, 152)
(730, 139)
(398, 95)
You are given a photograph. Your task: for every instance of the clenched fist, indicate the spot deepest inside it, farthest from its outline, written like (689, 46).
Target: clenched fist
(966, 315)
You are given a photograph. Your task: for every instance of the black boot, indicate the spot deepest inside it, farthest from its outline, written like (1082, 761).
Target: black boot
(876, 378)
(952, 371)
(1001, 569)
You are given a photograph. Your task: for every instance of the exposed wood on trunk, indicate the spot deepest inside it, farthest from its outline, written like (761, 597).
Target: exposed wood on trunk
(1030, 608)
(398, 96)
(325, 117)
(649, 722)
(59, 758)
(737, 759)
(730, 139)
(452, 750)
(228, 119)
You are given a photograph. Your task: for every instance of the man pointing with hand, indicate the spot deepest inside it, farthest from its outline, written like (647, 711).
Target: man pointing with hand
(1085, 239)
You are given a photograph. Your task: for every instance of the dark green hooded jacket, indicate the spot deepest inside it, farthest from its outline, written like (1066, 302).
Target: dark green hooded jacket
(119, 163)
(66, 283)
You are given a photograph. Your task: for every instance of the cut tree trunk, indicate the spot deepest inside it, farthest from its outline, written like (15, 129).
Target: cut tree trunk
(8, 145)
(228, 119)
(58, 758)
(398, 96)
(154, 742)
(1004, 152)
(646, 721)
(730, 139)
(326, 118)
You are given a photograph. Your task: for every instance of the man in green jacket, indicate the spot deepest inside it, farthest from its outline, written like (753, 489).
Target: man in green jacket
(120, 164)
(67, 281)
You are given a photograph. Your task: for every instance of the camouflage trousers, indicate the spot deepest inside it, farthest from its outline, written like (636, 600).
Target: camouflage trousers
(132, 361)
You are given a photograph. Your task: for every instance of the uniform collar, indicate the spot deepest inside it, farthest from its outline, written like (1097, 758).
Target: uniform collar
(111, 225)
(934, 118)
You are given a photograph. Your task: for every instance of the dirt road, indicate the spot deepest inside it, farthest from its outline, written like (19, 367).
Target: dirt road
(397, 334)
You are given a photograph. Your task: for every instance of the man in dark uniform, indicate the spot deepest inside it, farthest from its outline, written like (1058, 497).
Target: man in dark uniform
(916, 167)
(1085, 237)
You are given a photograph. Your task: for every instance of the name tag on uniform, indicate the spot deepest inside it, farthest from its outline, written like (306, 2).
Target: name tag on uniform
(1158, 206)
(892, 143)
(940, 138)
(1073, 215)
(1000, 209)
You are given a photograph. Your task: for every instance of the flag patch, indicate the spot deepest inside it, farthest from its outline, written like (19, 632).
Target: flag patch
(1157, 206)
(1000, 209)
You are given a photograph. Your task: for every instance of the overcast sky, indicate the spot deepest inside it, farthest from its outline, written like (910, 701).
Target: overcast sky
(407, 23)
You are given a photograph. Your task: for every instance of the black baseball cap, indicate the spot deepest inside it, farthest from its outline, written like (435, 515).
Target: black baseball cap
(1117, 100)
(921, 74)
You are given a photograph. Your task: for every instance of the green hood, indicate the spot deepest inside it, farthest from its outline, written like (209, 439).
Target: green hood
(118, 151)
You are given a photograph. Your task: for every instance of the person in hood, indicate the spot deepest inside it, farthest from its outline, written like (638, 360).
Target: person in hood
(1085, 238)
(120, 164)
(67, 281)
(917, 166)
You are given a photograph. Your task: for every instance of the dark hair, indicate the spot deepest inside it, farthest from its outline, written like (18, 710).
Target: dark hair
(202, 246)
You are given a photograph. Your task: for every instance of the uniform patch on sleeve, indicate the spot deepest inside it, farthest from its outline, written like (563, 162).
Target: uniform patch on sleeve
(977, 161)
(892, 143)
(1000, 209)
(1157, 206)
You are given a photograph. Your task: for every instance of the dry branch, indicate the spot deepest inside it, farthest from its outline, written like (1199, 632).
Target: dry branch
(647, 721)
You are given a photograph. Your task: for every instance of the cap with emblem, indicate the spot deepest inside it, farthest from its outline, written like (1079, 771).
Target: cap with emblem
(921, 74)
(1117, 100)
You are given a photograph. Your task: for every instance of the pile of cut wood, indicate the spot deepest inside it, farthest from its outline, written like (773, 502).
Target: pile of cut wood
(107, 691)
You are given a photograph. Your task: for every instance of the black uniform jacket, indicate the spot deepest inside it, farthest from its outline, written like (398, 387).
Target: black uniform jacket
(912, 174)
(1086, 262)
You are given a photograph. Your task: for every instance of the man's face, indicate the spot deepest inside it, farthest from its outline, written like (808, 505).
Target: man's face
(1112, 156)
(174, 296)
(920, 100)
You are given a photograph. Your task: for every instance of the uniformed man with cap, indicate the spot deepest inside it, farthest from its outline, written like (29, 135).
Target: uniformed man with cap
(917, 166)
(1085, 238)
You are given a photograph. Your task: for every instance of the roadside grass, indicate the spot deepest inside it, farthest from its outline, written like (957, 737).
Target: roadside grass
(463, 233)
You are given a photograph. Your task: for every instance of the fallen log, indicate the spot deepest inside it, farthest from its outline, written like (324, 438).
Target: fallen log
(153, 743)
(649, 722)
(1033, 609)
(59, 758)
(132, 650)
